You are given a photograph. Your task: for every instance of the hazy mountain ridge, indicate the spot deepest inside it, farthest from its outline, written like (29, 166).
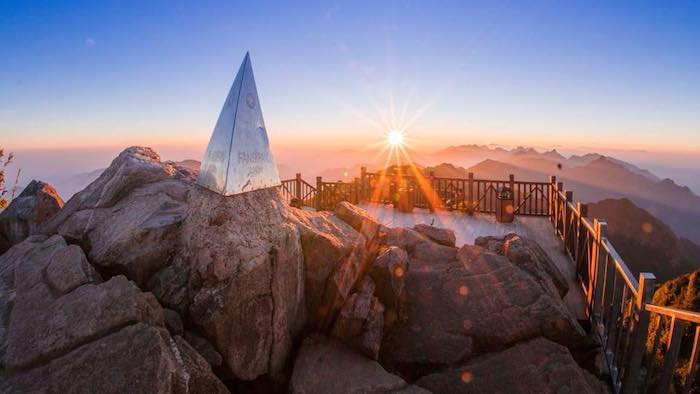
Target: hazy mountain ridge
(646, 243)
(599, 179)
(592, 177)
(519, 153)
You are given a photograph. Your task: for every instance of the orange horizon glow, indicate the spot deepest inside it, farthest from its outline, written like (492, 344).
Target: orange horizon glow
(419, 145)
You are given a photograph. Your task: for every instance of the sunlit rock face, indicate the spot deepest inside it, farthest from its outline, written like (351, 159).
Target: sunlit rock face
(327, 366)
(530, 257)
(37, 203)
(536, 366)
(336, 257)
(64, 329)
(239, 271)
(231, 266)
(468, 301)
(449, 306)
(151, 282)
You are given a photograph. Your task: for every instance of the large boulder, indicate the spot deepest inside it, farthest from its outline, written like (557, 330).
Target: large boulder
(388, 273)
(443, 236)
(37, 203)
(360, 323)
(404, 238)
(529, 256)
(336, 257)
(246, 278)
(359, 219)
(327, 367)
(536, 366)
(64, 330)
(136, 200)
(464, 302)
(136, 359)
(231, 266)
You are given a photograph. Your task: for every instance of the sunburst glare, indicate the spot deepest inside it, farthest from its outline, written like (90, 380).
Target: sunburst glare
(395, 138)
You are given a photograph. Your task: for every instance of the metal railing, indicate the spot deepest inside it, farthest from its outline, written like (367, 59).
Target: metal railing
(297, 192)
(641, 341)
(620, 306)
(430, 192)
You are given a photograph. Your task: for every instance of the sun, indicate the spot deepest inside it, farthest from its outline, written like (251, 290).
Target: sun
(395, 138)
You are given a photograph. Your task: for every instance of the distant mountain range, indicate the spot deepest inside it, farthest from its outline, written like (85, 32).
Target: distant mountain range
(592, 177)
(475, 153)
(646, 243)
(67, 185)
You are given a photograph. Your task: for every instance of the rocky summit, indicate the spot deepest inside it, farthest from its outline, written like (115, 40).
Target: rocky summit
(147, 282)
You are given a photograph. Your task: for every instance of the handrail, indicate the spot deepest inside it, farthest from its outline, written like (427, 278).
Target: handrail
(588, 225)
(621, 306)
(621, 266)
(689, 316)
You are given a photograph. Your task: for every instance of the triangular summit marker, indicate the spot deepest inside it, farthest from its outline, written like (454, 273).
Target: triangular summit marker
(238, 158)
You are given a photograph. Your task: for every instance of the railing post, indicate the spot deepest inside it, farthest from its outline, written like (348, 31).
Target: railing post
(511, 185)
(297, 188)
(433, 195)
(550, 197)
(470, 193)
(567, 219)
(693, 363)
(673, 347)
(319, 193)
(356, 190)
(363, 183)
(557, 209)
(630, 382)
(580, 229)
(595, 273)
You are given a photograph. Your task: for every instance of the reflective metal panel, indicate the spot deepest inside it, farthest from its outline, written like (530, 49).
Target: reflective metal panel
(238, 158)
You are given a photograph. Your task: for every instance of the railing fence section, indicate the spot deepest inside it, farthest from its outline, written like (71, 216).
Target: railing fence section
(642, 342)
(297, 192)
(461, 194)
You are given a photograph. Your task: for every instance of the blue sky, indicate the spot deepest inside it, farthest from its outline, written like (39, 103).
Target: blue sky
(545, 73)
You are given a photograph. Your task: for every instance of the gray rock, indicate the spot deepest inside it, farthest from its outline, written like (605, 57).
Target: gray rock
(41, 330)
(171, 286)
(173, 322)
(37, 203)
(388, 273)
(327, 367)
(136, 200)
(204, 348)
(138, 358)
(404, 238)
(529, 256)
(232, 265)
(201, 379)
(34, 248)
(69, 269)
(360, 323)
(358, 218)
(474, 303)
(66, 332)
(335, 258)
(536, 366)
(246, 285)
(442, 236)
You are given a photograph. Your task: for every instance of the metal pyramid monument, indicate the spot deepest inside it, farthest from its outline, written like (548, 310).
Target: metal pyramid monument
(238, 158)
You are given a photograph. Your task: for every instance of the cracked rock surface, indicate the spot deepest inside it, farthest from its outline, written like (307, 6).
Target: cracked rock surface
(146, 282)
